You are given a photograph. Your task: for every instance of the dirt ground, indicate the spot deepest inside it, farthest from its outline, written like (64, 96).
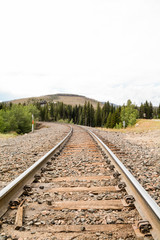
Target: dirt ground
(145, 132)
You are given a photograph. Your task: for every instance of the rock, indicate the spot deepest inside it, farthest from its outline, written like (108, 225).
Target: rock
(92, 210)
(83, 229)
(37, 223)
(39, 201)
(30, 223)
(3, 237)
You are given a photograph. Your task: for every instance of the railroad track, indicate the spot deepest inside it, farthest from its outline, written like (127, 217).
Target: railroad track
(79, 190)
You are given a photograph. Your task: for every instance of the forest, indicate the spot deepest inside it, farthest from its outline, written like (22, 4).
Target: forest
(17, 118)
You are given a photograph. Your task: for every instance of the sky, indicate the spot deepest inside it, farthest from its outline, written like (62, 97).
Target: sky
(108, 50)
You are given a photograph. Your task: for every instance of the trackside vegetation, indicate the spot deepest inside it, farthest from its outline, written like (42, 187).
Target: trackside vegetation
(18, 118)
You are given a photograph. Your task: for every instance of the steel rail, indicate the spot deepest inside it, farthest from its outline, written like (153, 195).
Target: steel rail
(14, 188)
(147, 207)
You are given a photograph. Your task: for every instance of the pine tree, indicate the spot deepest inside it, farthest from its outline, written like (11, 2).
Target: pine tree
(146, 110)
(51, 111)
(105, 112)
(117, 115)
(98, 116)
(158, 111)
(92, 116)
(84, 114)
(108, 124)
(46, 113)
(113, 120)
(141, 111)
(42, 114)
(150, 110)
(88, 114)
(80, 115)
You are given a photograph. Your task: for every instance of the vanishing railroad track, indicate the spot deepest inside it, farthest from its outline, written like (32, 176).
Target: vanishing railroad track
(79, 190)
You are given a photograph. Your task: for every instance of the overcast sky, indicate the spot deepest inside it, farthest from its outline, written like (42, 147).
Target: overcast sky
(103, 49)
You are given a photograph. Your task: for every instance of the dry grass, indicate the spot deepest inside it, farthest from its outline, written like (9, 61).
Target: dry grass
(7, 135)
(142, 125)
(73, 100)
(65, 98)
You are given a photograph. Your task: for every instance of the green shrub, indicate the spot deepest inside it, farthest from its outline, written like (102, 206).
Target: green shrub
(18, 118)
(129, 114)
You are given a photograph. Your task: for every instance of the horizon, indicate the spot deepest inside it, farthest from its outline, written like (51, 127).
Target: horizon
(105, 50)
(72, 94)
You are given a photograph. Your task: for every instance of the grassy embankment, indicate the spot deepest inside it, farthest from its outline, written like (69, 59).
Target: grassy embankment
(142, 125)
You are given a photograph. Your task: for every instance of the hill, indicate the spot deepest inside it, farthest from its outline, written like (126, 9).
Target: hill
(71, 99)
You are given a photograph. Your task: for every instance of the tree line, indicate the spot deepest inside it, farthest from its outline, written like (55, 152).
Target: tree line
(108, 115)
(17, 118)
(85, 115)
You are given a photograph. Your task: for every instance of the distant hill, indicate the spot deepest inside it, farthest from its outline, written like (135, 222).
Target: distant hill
(71, 99)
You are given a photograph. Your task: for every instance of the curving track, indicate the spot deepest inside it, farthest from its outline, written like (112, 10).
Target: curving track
(75, 195)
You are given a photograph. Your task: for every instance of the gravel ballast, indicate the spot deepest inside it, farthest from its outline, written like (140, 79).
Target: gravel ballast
(142, 153)
(18, 153)
(142, 157)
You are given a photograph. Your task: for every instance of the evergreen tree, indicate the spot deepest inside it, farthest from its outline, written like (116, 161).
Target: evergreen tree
(46, 113)
(80, 115)
(117, 116)
(109, 119)
(88, 113)
(146, 110)
(92, 116)
(84, 114)
(98, 116)
(150, 110)
(52, 111)
(61, 110)
(113, 120)
(105, 112)
(141, 111)
(69, 113)
(158, 111)
(112, 108)
(42, 114)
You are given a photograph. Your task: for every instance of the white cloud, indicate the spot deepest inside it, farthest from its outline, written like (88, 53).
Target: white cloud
(107, 50)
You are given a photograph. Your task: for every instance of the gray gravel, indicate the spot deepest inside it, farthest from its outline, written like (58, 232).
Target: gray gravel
(142, 156)
(18, 153)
